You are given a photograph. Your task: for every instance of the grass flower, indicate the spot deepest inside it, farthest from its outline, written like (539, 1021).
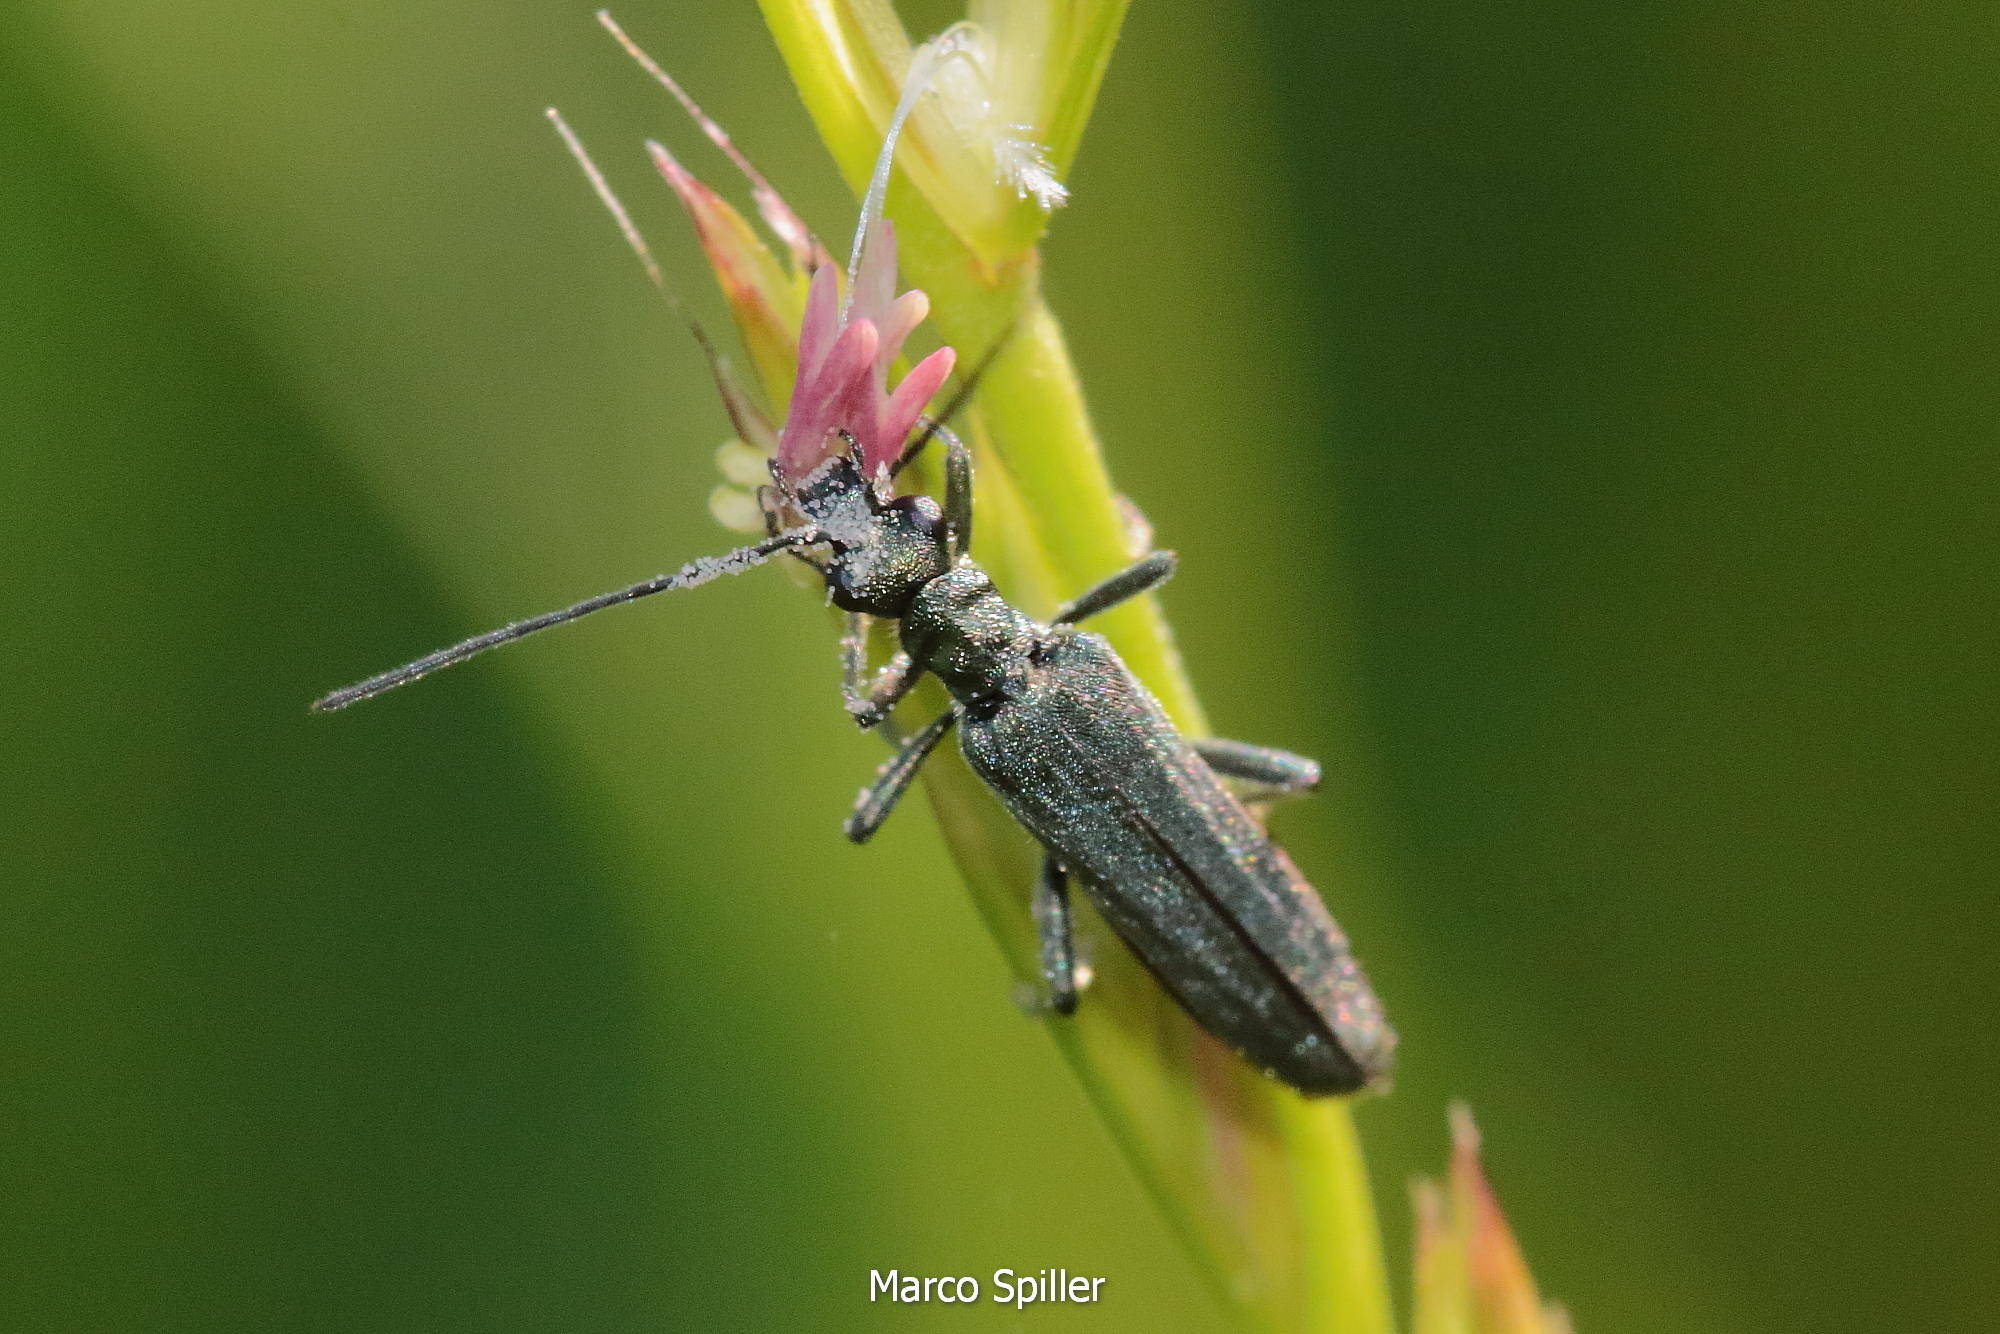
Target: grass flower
(1470, 1275)
(843, 366)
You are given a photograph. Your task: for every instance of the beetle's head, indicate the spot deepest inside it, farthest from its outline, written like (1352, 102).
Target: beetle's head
(884, 547)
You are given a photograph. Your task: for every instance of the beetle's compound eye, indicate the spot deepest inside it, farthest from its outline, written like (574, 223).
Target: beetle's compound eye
(921, 513)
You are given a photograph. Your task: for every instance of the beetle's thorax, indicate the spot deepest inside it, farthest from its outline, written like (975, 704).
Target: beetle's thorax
(970, 636)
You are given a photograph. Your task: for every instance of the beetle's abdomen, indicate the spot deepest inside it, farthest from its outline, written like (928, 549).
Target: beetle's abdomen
(1084, 758)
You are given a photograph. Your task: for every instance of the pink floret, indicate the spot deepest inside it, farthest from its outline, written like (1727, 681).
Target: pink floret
(844, 360)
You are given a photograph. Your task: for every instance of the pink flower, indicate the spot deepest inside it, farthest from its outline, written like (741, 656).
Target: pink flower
(840, 377)
(844, 360)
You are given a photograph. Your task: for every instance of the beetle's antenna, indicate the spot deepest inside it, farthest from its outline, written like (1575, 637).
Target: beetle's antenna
(694, 573)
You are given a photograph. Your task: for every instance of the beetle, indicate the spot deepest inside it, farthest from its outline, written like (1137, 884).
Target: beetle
(1064, 735)
(1078, 751)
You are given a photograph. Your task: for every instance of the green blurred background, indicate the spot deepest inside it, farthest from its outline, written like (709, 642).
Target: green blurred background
(1577, 423)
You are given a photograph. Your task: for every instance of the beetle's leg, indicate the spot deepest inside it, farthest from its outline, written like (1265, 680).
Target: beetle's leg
(1129, 582)
(870, 705)
(1052, 923)
(1271, 772)
(854, 660)
(957, 494)
(868, 702)
(872, 807)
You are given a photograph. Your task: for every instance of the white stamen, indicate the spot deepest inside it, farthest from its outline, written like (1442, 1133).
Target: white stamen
(735, 510)
(744, 465)
(1024, 164)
